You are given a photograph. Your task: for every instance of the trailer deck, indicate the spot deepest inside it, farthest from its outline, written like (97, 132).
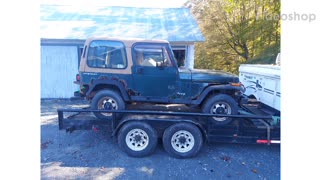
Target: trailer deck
(251, 125)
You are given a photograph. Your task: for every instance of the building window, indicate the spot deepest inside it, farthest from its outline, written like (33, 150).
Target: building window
(180, 54)
(106, 54)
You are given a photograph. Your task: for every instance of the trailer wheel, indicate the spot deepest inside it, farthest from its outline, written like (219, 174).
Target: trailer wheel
(182, 140)
(137, 139)
(107, 100)
(220, 104)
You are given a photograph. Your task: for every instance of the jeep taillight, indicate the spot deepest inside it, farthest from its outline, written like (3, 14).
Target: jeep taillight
(235, 84)
(78, 77)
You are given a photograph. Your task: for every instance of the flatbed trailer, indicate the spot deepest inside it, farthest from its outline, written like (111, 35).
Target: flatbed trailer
(182, 133)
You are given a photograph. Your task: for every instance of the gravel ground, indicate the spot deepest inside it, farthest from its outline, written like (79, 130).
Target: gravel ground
(95, 155)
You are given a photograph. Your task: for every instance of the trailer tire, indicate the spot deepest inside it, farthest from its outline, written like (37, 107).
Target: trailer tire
(107, 100)
(220, 104)
(137, 139)
(182, 140)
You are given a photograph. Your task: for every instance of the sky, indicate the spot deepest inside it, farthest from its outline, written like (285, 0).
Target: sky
(127, 3)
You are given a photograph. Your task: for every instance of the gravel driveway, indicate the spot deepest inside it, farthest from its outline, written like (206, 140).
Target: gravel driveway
(95, 155)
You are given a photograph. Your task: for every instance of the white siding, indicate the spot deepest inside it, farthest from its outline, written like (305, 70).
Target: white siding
(59, 66)
(190, 57)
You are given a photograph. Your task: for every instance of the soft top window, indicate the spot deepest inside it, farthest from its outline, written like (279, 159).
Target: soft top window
(106, 54)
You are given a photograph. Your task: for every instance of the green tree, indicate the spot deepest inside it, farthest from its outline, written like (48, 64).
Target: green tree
(236, 32)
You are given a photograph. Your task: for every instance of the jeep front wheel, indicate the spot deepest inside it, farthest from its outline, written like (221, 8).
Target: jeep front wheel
(107, 100)
(220, 104)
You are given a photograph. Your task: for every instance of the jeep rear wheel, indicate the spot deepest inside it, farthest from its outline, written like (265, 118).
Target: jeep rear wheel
(107, 100)
(220, 104)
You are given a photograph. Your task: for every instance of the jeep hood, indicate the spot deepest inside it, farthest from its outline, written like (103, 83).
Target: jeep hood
(208, 76)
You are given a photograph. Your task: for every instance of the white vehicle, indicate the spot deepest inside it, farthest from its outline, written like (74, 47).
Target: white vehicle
(262, 82)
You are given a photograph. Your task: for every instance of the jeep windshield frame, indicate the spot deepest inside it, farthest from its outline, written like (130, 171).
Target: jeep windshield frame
(171, 55)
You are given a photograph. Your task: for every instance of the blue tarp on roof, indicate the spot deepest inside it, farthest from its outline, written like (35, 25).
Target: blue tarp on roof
(76, 22)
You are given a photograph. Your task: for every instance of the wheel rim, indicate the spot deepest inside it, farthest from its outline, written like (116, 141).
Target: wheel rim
(107, 103)
(137, 139)
(182, 141)
(220, 108)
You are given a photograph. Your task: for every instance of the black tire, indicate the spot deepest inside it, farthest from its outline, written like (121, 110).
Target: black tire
(107, 100)
(182, 140)
(220, 104)
(137, 139)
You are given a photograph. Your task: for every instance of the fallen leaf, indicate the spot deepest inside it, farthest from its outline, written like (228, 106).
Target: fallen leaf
(45, 144)
(204, 169)
(226, 158)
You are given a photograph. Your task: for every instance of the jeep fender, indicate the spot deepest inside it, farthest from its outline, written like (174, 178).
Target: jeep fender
(107, 83)
(225, 88)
